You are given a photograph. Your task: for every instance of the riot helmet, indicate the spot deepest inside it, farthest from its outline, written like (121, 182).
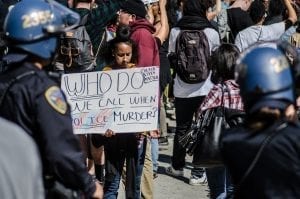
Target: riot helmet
(34, 26)
(265, 77)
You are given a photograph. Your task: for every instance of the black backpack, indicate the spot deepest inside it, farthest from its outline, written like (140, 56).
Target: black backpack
(192, 54)
(75, 51)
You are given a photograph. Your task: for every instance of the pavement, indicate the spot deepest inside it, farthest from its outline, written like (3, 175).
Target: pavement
(169, 187)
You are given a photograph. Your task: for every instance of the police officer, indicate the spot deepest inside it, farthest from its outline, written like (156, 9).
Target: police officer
(29, 98)
(263, 154)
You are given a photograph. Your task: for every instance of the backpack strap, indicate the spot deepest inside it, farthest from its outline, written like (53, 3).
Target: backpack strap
(229, 34)
(223, 26)
(84, 20)
(70, 58)
(100, 46)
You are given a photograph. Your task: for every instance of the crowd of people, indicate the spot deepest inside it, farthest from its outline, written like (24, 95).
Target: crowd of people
(249, 49)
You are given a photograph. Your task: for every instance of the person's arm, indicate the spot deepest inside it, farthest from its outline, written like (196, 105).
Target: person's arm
(163, 32)
(217, 9)
(292, 16)
(150, 16)
(238, 42)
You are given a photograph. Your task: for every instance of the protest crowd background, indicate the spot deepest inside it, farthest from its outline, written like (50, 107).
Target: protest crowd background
(91, 91)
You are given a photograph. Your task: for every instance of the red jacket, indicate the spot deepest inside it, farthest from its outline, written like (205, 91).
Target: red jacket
(148, 52)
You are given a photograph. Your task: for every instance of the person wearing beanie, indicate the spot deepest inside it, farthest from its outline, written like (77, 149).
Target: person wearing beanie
(135, 7)
(133, 13)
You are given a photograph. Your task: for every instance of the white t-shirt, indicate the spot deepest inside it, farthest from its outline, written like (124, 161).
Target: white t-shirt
(259, 33)
(185, 90)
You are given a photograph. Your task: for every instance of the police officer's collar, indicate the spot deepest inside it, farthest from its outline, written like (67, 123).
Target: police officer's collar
(12, 58)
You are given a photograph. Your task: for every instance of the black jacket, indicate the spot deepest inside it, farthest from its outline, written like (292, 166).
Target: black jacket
(277, 172)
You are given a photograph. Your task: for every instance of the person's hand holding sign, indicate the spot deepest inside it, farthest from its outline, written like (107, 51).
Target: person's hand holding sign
(108, 133)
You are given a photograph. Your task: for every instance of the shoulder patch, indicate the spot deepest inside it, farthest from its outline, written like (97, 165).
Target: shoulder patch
(55, 98)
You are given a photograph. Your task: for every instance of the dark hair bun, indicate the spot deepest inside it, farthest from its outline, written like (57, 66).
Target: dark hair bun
(123, 33)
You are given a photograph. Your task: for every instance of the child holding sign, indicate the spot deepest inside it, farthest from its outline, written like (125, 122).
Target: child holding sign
(120, 147)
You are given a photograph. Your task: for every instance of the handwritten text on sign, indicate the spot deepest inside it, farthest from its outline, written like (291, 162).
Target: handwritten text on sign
(121, 100)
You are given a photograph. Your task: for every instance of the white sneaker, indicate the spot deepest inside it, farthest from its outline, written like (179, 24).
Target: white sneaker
(173, 172)
(198, 181)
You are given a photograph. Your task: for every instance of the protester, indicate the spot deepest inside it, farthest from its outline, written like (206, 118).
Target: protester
(100, 13)
(31, 99)
(262, 33)
(238, 17)
(120, 147)
(223, 64)
(275, 12)
(133, 13)
(98, 18)
(188, 97)
(158, 17)
(267, 145)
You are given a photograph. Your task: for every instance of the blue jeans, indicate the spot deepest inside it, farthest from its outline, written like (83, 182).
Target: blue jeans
(112, 187)
(154, 154)
(218, 182)
(139, 167)
(118, 149)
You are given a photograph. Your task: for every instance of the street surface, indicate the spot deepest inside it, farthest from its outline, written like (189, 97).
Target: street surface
(168, 187)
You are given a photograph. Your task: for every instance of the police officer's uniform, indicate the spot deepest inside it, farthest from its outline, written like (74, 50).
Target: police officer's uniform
(276, 174)
(36, 103)
(29, 98)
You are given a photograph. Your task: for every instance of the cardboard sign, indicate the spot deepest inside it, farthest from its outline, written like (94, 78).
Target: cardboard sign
(121, 100)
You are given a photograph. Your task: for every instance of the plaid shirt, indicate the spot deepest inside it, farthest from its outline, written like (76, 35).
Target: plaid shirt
(231, 98)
